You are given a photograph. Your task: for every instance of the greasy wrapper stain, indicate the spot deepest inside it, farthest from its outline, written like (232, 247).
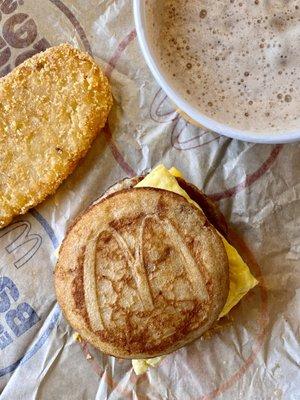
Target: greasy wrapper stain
(241, 279)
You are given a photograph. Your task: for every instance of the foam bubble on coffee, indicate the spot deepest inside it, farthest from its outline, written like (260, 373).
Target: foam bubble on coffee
(236, 61)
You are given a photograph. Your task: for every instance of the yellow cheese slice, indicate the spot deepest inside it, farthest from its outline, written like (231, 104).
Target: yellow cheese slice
(142, 366)
(241, 279)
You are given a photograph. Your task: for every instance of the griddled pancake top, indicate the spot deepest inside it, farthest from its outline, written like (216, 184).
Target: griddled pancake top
(141, 273)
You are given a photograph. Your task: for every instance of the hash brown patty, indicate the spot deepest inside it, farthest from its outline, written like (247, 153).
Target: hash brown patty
(51, 109)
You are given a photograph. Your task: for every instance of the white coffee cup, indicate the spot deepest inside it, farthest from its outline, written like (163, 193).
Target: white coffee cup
(191, 112)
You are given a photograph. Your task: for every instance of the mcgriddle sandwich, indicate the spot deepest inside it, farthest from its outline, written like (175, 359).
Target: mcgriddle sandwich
(148, 268)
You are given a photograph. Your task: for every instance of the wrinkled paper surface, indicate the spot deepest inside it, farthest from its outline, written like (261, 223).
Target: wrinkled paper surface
(256, 353)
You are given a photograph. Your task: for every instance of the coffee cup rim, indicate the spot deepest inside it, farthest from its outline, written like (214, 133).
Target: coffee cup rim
(189, 110)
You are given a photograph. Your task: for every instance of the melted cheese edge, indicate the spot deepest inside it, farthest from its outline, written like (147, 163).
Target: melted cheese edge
(240, 277)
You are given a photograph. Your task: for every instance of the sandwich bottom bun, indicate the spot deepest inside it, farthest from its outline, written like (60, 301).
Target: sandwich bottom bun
(142, 272)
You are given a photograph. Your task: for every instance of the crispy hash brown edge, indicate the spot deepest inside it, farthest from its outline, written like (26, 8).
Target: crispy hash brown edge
(30, 66)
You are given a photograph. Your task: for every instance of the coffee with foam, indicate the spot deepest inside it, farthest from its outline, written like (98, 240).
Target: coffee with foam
(236, 61)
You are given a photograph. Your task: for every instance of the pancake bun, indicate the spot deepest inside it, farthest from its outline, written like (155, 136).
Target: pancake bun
(141, 272)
